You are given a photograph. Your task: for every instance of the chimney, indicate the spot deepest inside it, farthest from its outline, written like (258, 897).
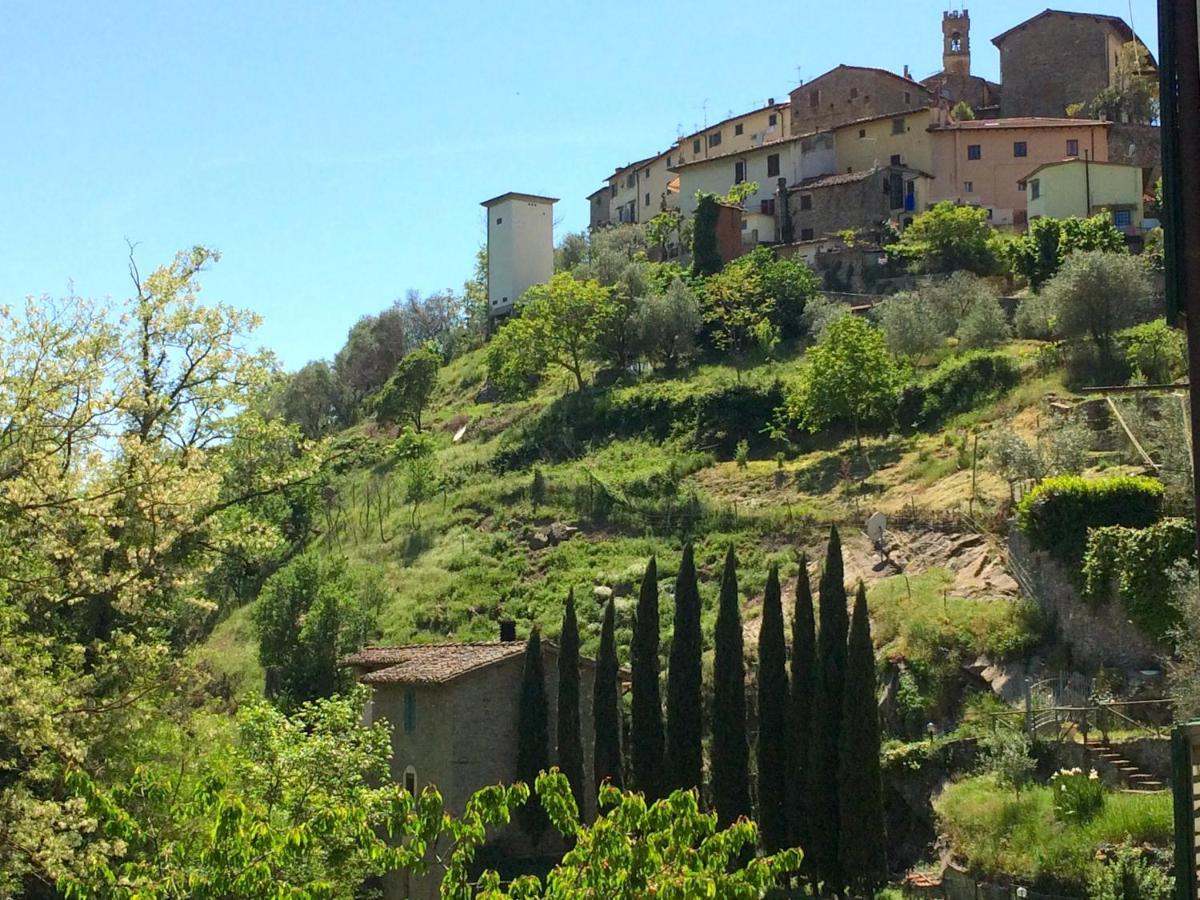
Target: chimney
(770, 101)
(906, 73)
(508, 631)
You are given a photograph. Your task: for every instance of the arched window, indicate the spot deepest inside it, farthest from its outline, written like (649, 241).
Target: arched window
(410, 780)
(955, 42)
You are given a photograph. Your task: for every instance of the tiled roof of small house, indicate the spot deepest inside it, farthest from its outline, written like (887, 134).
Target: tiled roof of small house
(429, 663)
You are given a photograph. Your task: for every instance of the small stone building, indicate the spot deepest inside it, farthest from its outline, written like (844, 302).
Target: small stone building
(453, 713)
(848, 93)
(822, 207)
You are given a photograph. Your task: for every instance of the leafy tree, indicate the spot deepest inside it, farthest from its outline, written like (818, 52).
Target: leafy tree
(734, 307)
(373, 347)
(606, 706)
(773, 736)
(962, 112)
(685, 707)
(533, 732)
(909, 328)
(800, 709)
(861, 843)
(557, 324)
(730, 752)
(309, 614)
(1035, 318)
(406, 393)
(737, 193)
(646, 732)
(1039, 253)
(828, 705)
(570, 739)
(819, 313)
(571, 252)
(667, 325)
(849, 377)
(950, 300)
(949, 238)
(1096, 294)
(985, 325)
(415, 453)
(1133, 96)
(788, 283)
(705, 258)
(315, 400)
(665, 228)
(1158, 351)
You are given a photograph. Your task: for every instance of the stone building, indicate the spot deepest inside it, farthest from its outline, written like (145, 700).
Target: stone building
(1056, 59)
(848, 93)
(824, 206)
(453, 712)
(955, 82)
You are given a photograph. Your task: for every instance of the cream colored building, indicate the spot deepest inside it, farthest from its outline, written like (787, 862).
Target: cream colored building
(520, 247)
(641, 190)
(891, 139)
(984, 162)
(746, 131)
(1084, 188)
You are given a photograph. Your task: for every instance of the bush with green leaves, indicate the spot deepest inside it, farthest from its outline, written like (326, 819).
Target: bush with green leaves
(984, 325)
(1130, 876)
(667, 325)
(949, 238)
(1078, 795)
(404, 396)
(1035, 318)
(957, 385)
(1038, 254)
(820, 313)
(1137, 564)
(1157, 351)
(1057, 514)
(908, 327)
(1007, 754)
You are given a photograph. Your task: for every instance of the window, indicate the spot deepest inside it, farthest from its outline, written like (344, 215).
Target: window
(771, 120)
(806, 201)
(968, 187)
(767, 207)
(745, 224)
(739, 172)
(410, 698)
(631, 180)
(895, 188)
(1123, 219)
(1020, 217)
(1072, 148)
(1022, 185)
(668, 160)
(907, 98)
(1035, 189)
(1020, 148)
(814, 99)
(714, 139)
(896, 160)
(989, 213)
(853, 93)
(696, 145)
(806, 234)
(862, 132)
(956, 43)
(737, 129)
(974, 151)
(897, 126)
(499, 220)
(773, 165)
(410, 780)
(647, 199)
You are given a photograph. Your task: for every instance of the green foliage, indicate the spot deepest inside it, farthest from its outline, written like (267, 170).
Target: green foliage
(1133, 94)
(1036, 318)
(785, 287)
(685, 705)
(537, 489)
(1007, 755)
(308, 615)
(949, 238)
(569, 737)
(1096, 294)
(705, 258)
(773, 736)
(1137, 563)
(316, 401)
(1057, 514)
(908, 327)
(849, 377)
(733, 305)
(373, 347)
(667, 325)
(1078, 795)
(962, 112)
(741, 453)
(556, 324)
(828, 707)
(861, 842)
(800, 709)
(985, 325)
(957, 385)
(406, 393)
(646, 739)
(606, 706)
(1157, 351)
(1038, 254)
(1129, 876)
(730, 752)
(533, 732)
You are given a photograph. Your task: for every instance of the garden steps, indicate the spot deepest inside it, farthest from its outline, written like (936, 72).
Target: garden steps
(1133, 779)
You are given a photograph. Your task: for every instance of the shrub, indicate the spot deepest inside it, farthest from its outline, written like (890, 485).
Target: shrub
(1078, 795)
(1130, 877)
(1156, 350)
(957, 385)
(1138, 563)
(908, 326)
(1057, 514)
(1007, 756)
(1035, 318)
(984, 325)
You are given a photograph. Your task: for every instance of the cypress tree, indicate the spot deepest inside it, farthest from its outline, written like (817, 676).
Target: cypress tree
(827, 716)
(772, 720)
(606, 707)
(863, 854)
(800, 712)
(685, 722)
(533, 733)
(646, 736)
(570, 740)
(730, 753)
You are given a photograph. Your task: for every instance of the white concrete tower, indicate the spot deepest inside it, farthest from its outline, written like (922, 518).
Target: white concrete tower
(520, 247)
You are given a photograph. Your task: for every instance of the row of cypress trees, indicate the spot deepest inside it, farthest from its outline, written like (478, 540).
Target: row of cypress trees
(817, 753)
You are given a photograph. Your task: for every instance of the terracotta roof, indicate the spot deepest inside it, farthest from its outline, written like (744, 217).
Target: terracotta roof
(517, 195)
(429, 663)
(1020, 122)
(1116, 22)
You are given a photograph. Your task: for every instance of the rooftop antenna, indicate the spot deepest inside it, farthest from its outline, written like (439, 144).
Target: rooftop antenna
(799, 80)
(704, 110)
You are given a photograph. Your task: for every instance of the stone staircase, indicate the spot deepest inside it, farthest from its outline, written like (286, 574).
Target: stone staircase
(1131, 778)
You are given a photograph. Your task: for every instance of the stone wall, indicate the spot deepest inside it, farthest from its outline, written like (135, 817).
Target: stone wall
(1097, 634)
(849, 93)
(1137, 145)
(1051, 62)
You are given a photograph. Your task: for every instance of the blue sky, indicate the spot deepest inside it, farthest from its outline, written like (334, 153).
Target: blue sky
(336, 152)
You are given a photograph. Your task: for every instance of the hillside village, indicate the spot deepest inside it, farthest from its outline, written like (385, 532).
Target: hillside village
(820, 521)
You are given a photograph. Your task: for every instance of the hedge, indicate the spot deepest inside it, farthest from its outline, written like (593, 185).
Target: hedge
(1136, 563)
(958, 385)
(1057, 514)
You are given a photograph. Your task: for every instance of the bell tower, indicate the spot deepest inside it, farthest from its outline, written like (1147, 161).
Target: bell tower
(956, 42)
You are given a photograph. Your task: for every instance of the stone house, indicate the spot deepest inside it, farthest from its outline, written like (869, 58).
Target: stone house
(599, 208)
(453, 713)
(847, 93)
(1057, 59)
(824, 206)
(955, 83)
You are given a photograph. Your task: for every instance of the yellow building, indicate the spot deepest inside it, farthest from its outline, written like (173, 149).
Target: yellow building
(1078, 187)
(892, 139)
(734, 135)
